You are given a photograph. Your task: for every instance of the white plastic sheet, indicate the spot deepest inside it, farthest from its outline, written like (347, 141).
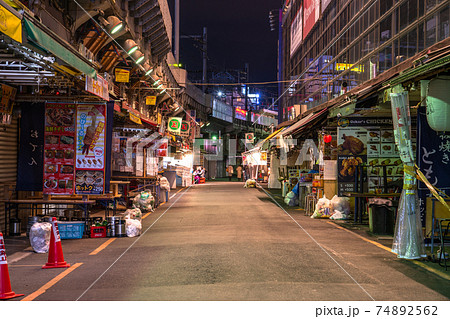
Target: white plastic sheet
(408, 240)
(40, 237)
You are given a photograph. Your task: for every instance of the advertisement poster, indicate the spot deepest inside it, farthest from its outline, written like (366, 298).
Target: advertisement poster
(368, 142)
(90, 149)
(296, 31)
(59, 148)
(311, 12)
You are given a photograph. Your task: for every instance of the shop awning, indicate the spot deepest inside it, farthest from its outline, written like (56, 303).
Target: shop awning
(45, 41)
(273, 134)
(303, 122)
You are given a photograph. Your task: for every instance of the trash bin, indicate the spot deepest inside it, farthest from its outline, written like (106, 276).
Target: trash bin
(381, 216)
(14, 227)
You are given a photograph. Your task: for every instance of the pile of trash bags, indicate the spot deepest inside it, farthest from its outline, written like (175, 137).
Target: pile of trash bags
(250, 183)
(164, 184)
(291, 198)
(336, 208)
(144, 201)
(40, 234)
(133, 224)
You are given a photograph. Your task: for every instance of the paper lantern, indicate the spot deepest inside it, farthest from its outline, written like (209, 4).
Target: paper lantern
(438, 104)
(327, 138)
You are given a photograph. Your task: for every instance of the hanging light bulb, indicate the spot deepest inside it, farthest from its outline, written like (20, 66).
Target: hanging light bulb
(130, 46)
(114, 24)
(138, 56)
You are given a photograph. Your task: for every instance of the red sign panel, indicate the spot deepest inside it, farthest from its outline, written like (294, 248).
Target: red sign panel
(311, 12)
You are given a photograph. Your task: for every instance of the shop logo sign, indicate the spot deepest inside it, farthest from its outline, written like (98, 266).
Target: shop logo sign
(174, 126)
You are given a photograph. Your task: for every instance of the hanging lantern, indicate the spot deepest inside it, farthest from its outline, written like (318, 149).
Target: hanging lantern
(327, 138)
(438, 104)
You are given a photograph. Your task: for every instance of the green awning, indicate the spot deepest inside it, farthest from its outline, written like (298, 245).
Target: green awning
(45, 42)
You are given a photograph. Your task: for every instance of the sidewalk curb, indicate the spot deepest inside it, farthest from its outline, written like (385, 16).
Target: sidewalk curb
(365, 236)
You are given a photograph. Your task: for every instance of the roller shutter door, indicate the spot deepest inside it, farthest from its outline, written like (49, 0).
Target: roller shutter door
(8, 162)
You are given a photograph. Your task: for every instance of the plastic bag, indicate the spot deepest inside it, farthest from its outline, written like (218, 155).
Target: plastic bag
(164, 184)
(291, 199)
(250, 183)
(40, 237)
(144, 201)
(340, 204)
(134, 213)
(323, 208)
(338, 215)
(133, 227)
(295, 189)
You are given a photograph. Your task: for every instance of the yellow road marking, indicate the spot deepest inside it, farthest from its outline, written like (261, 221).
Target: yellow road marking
(420, 264)
(102, 246)
(436, 272)
(146, 215)
(51, 283)
(363, 238)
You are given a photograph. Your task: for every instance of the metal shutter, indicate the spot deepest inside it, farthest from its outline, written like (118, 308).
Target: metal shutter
(8, 162)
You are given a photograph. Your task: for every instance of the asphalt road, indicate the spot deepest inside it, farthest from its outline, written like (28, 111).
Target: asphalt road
(220, 241)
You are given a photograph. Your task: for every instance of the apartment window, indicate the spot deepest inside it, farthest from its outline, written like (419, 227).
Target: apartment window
(385, 5)
(444, 24)
(430, 31)
(412, 43)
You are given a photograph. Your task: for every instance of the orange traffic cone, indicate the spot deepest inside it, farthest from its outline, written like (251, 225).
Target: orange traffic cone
(5, 284)
(55, 253)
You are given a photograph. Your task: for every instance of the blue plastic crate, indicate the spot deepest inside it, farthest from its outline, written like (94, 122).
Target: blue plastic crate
(71, 230)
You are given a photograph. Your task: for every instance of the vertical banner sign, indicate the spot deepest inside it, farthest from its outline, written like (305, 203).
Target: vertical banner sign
(174, 125)
(10, 24)
(7, 95)
(433, 158)
(296, 31)
(185, 129)
(59, 143)
(90, 149)
(98, 87)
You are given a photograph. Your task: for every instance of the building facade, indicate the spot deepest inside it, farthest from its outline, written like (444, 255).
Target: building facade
(332, 46)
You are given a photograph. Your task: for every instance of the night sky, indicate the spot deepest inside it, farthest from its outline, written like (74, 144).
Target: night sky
(238, 33)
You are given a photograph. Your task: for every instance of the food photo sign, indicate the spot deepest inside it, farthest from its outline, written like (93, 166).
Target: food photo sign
(59, 148)
(90, 149)
(370, 142)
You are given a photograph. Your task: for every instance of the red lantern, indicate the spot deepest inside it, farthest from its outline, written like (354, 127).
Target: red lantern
(327, 138)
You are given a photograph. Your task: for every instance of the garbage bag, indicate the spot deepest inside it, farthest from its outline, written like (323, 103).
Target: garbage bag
(291, 199)
(250, 183)
(290, 195)
(338, 215)
(340, 204)
(133, 227)
(40, 234)
(134, 213)
(144, 201)
(295, 189)
(164, 184)
(323, 208)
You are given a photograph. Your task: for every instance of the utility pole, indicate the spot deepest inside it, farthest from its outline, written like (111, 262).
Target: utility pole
(205, 57)
(177, 31)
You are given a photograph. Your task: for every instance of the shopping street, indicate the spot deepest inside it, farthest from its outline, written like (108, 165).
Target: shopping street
(220, 241)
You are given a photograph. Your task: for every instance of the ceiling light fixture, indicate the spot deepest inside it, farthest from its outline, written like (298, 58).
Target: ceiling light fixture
(130, 46)
(114, 24)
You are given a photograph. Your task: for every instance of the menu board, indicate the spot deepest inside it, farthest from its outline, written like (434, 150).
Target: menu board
(59, 148)
(90, 149)
(367, 142)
